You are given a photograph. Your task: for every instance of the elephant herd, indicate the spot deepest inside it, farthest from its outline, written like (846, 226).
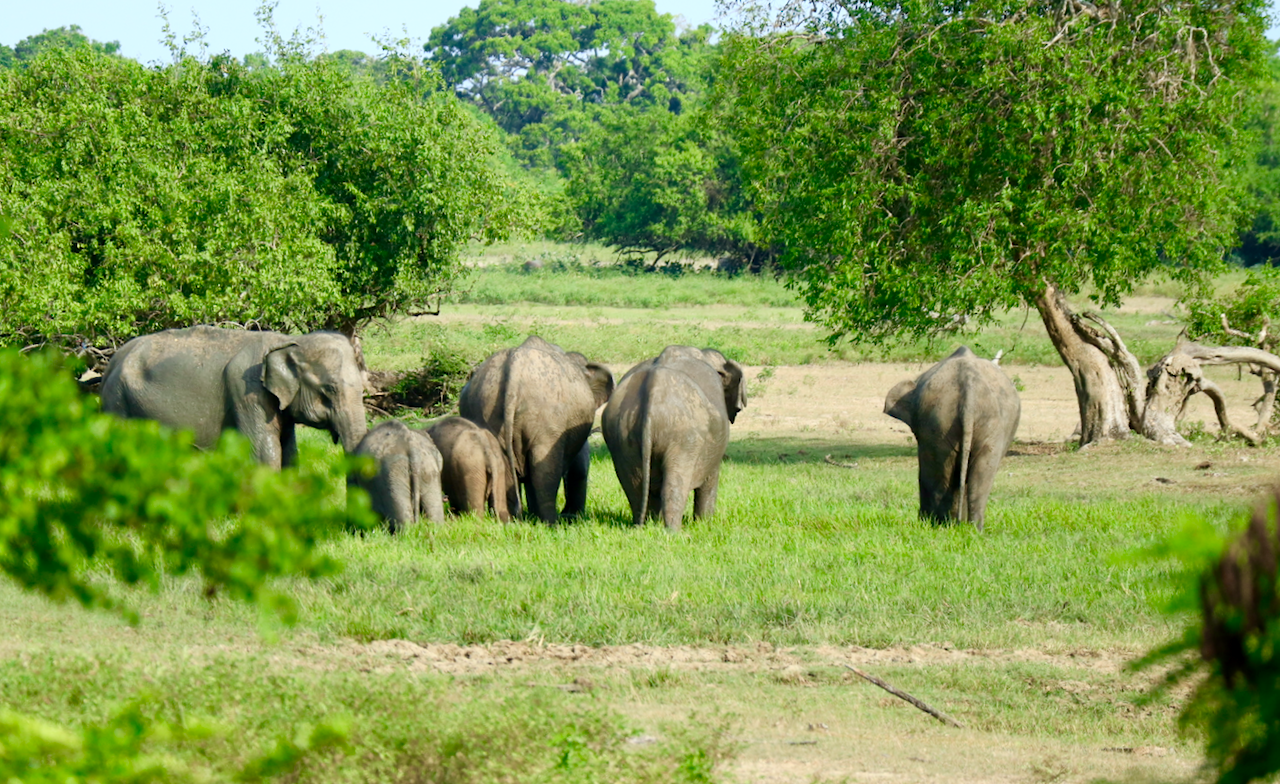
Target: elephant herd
(526, 414)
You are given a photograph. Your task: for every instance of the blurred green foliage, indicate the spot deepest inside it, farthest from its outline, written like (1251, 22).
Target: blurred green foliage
(22, 53)
(131, 747)
(81, 492)
(1233, 584)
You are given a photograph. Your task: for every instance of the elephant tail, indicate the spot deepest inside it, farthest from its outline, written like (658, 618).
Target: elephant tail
(966, 456)
(646, 454)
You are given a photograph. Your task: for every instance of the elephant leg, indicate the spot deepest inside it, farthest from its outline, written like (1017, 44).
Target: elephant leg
(432, 499)
(704, 497)
(546, 469)
(675, 497)
(982, 475)
(392, 494)
(575, 482)
(288, 444)
(471, 492)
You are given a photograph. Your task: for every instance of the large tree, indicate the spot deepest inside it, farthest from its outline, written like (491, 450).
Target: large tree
(928, 165)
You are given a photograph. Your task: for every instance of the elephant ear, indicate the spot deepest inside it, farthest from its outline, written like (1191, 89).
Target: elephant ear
(899, 402)
(601, 382)
(735, 391)
(280, 374)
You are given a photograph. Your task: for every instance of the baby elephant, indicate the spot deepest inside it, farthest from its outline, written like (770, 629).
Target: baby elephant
(667, 426)
(408, 480)
(964, 412)
(476, 473)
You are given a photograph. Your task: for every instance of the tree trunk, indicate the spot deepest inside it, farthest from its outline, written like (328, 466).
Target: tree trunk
(1104, 407)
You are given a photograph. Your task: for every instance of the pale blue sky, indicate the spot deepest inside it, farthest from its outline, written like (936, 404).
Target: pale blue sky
(231, 26)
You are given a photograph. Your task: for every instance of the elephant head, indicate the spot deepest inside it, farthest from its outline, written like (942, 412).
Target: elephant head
(599, 378)
(900, 403)
(731, 375)
(317, 379)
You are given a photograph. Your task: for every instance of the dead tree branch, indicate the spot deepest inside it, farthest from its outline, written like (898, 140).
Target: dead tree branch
(934, 712)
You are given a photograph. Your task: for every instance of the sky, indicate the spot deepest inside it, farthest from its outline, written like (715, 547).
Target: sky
(231, 25)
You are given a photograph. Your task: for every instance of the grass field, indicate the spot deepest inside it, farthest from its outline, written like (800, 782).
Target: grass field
(594, 651)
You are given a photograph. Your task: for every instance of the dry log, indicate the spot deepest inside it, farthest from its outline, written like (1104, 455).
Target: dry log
(934, 712)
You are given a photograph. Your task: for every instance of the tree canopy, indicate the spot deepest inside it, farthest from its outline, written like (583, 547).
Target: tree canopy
(543, 69)
(294, 195)
(26, 50)
(926, 165)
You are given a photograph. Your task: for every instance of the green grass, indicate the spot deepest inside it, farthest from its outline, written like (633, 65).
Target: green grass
(620, 317)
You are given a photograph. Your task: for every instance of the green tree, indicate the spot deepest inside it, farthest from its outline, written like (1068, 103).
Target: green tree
(295, 195)
(658, 183)
(543, 69)
(26, 50)
(926, 165)
(1260, 243)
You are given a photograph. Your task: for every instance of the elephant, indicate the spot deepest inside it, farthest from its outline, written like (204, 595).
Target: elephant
(208, 379)
(408, 479)
(476, 473)
(964, 412)
(667, 427)
(540, 401)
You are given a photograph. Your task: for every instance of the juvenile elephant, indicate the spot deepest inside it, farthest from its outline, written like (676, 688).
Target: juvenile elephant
(667, 427)
(476, 473)
(540, 401)
(208, 380)
(963, 412)
(408, 479)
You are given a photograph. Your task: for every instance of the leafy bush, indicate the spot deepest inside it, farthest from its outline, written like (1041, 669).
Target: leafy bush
(435, 386)
(296, 195)
(1247, 308)
(80, 490)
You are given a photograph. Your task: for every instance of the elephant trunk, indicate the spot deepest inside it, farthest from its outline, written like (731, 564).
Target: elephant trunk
(349, 426)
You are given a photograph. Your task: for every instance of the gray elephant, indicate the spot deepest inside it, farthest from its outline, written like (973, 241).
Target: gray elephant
(407, 483)
(667, 427)
(208, 380)
(476, 473)
(963, 412)
(540, 401)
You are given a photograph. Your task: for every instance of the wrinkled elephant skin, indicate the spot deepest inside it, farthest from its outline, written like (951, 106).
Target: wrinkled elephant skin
(476, 474)
(407, 482)
(540, 402)
(667, 428)
(207, 380)
(964, 412)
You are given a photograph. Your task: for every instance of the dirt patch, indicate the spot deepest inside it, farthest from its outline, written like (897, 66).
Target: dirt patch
(847, 399)
(447, 658)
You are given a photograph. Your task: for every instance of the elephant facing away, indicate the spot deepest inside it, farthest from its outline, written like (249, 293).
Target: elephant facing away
(667, 427)
(208, 379)
(964, 412)
(476, 473)
(540, 402)
(407, 483)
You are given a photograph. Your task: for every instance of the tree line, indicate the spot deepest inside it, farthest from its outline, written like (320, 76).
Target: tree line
(910, 167)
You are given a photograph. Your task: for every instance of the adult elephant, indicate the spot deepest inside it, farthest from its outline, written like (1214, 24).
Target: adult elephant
(964, 412)
(667, 427)
(207, 380)
(540, 401)
(407, 481)
(476, 474)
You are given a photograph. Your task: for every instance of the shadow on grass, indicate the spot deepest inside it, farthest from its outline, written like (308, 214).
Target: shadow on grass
(791, 451)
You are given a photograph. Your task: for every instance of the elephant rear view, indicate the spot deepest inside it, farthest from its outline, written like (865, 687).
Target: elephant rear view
(208, 379)
(667, 427)
(476, 474)
(407, 482)
(540, 401)
(964, 412)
